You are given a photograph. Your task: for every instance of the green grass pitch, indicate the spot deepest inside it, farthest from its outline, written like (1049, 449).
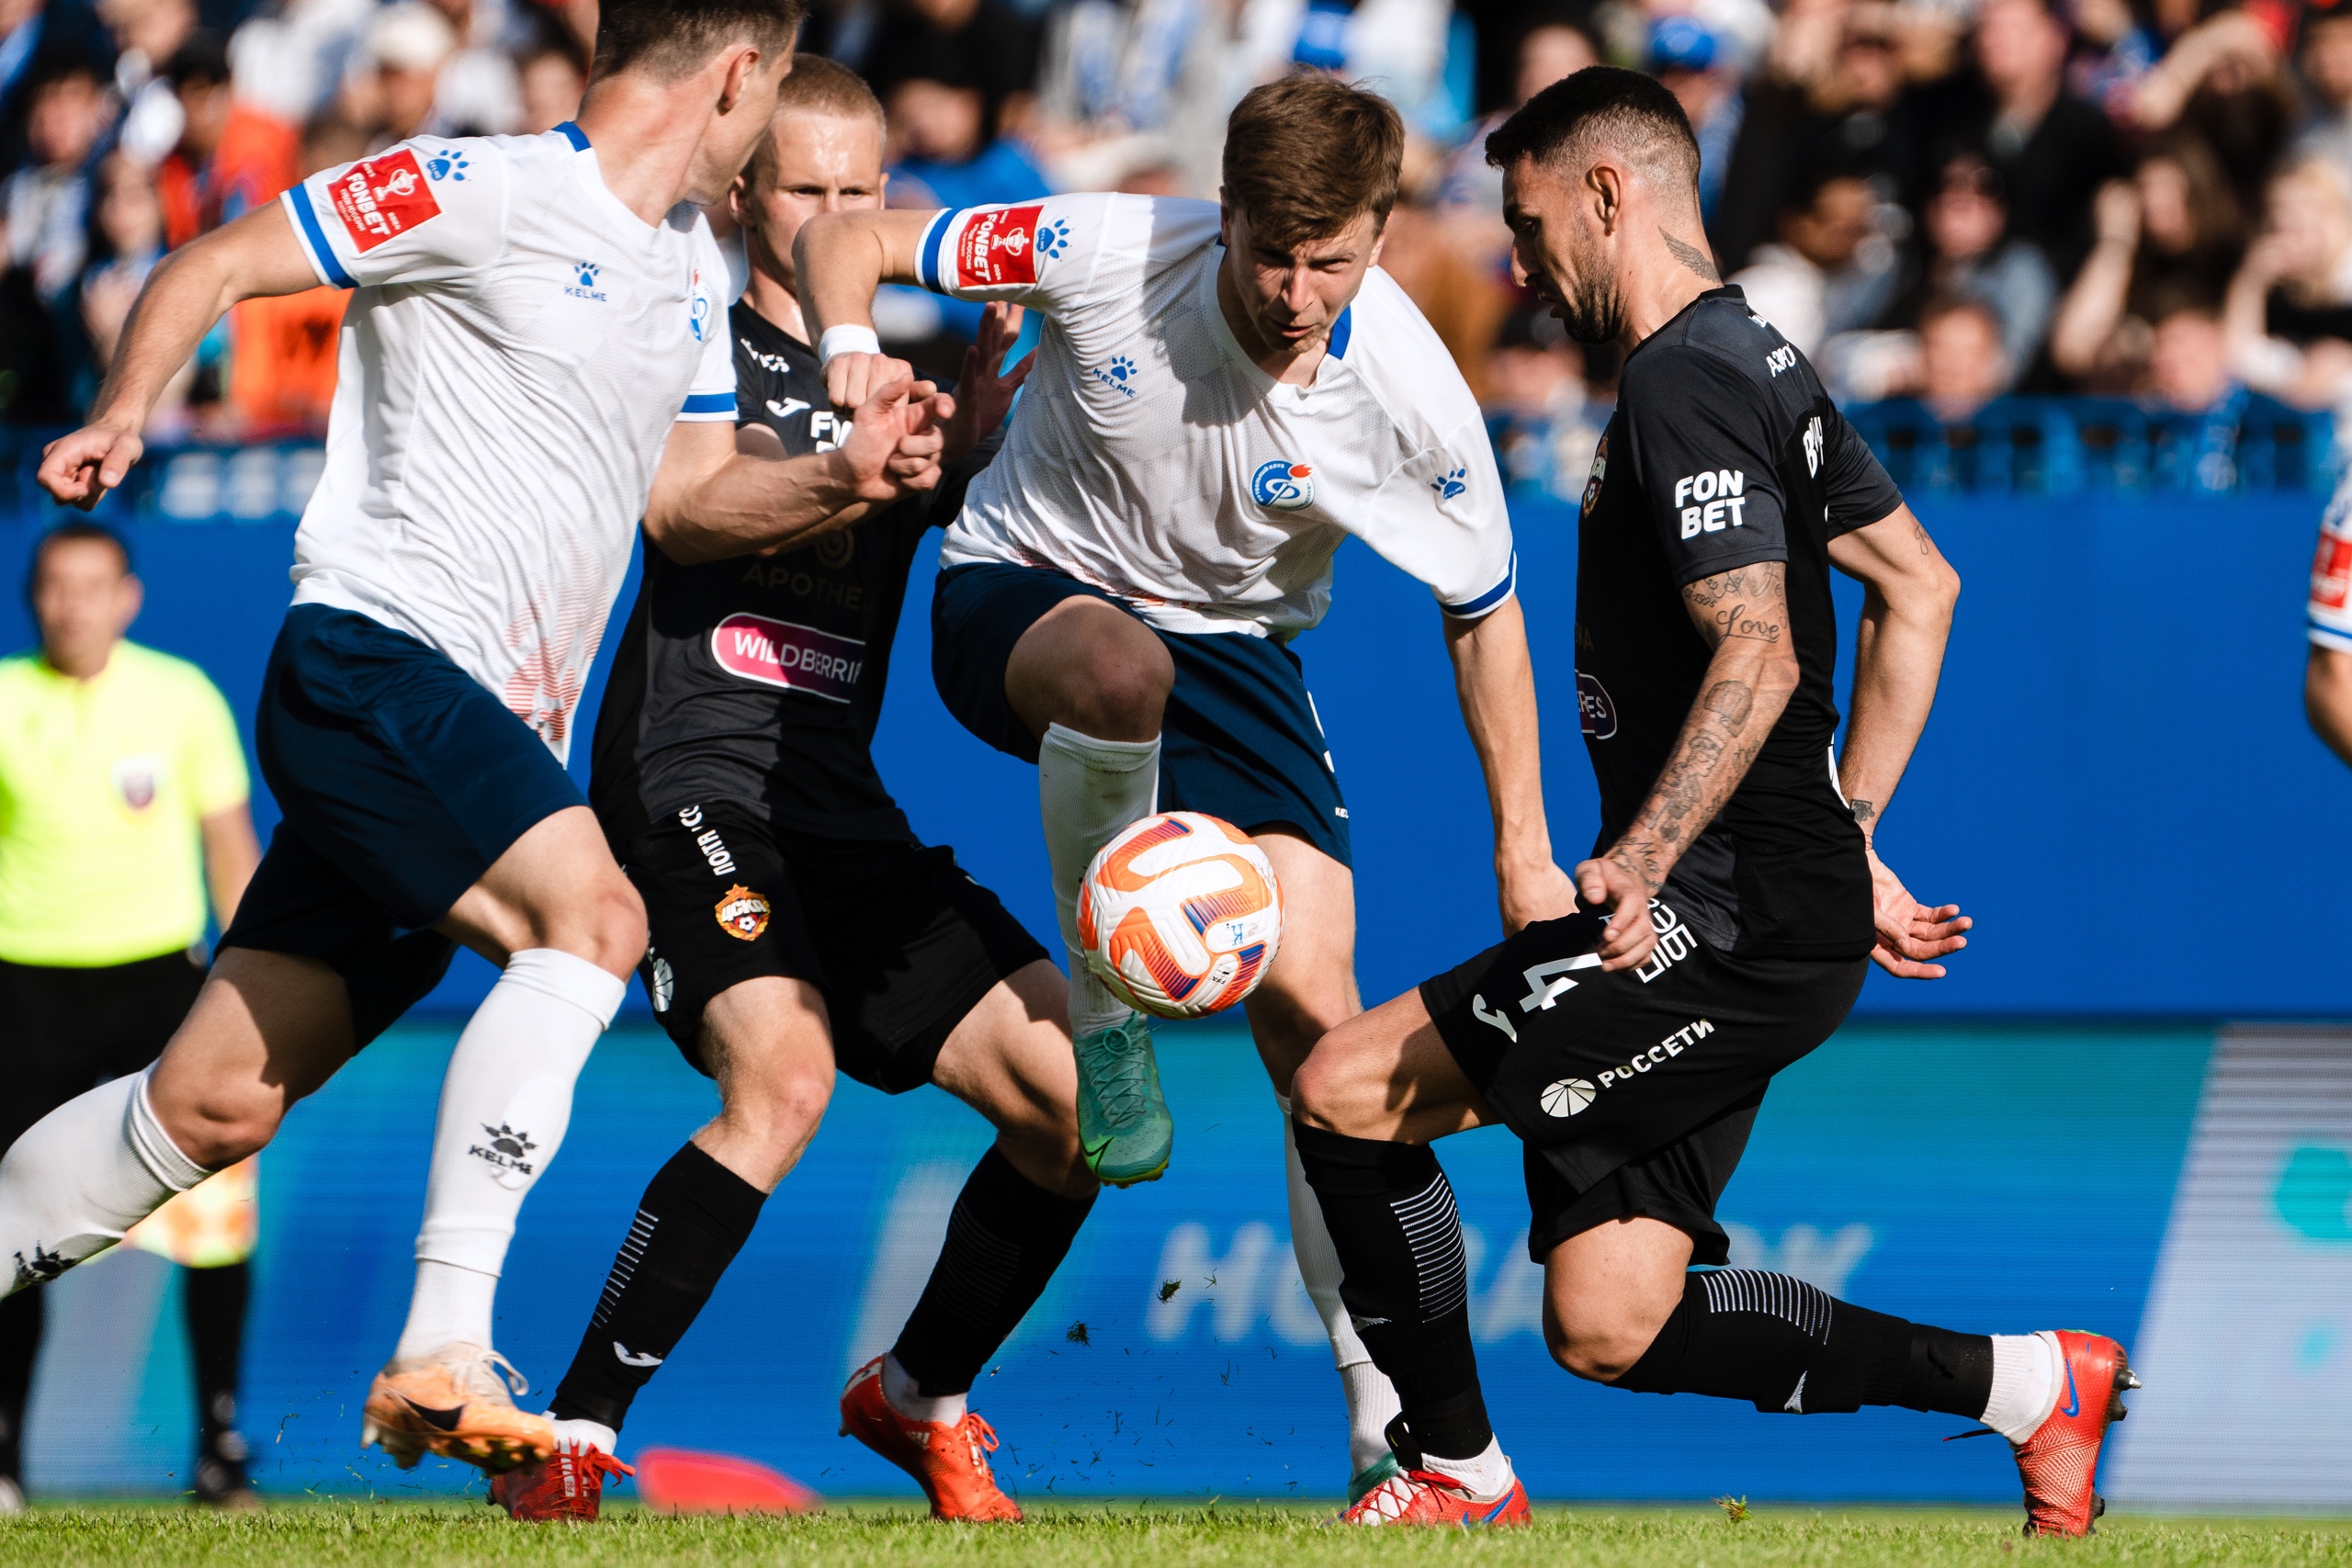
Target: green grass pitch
(1127, 1535)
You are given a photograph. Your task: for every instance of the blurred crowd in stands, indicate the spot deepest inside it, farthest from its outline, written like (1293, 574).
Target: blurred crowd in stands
(1945, 201)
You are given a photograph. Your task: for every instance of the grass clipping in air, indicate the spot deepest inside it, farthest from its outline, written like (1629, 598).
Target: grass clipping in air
(1129, 1535)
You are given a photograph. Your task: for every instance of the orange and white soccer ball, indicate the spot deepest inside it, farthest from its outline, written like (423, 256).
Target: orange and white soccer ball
(1180, 915)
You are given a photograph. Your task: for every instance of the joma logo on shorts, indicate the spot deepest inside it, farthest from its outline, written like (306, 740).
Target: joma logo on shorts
(1673, 1046)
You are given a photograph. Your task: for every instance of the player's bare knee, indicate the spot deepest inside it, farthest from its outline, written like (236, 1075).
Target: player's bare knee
(1120, 692)
(223, 1122)
(606, 926)
(1329, 1090)
(1596, 1353)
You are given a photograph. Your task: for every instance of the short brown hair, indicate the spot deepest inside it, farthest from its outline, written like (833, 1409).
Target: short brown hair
(1307, 155)
(669, 39)
(817, 86)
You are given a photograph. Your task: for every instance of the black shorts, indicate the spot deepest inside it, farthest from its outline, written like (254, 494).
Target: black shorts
(900, 941)
(1241, 738)
(63, 1031)
(1634, 1092)
(403, 778)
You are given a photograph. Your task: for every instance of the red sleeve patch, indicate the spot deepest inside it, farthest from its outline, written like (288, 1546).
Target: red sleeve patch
(999, 245)
(2332, 571)
(383, 198)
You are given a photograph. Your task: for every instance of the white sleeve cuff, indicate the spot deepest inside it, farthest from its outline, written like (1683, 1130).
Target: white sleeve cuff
(1485, 603)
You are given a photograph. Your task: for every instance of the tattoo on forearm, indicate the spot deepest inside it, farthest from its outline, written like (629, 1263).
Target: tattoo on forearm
(1865, 813)
(1691, 257)
(1746, 601)
(1732, 701)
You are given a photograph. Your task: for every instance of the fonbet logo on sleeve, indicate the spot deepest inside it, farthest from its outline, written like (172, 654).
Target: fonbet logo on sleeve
(1719, 495)
(1000, 246)
(1284, 485)
(781, 653)
(382, 199)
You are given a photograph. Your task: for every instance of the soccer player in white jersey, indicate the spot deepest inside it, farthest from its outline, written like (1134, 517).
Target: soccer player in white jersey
(1222, 394)
(536, 357)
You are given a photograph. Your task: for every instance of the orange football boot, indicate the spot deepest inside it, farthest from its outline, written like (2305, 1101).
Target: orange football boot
(1425, 1497)
(458, 1402)
(949, 1462)
(566, 1485)
(2059, 1462)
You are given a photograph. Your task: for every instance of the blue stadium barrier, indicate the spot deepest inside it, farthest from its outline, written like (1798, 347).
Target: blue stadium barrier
(2122, 698)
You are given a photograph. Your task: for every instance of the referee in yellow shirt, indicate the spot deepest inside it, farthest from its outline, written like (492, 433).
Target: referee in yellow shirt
(122, 795)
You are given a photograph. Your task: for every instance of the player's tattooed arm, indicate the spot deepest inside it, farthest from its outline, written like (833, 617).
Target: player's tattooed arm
(1745, 613)
(1691, 256)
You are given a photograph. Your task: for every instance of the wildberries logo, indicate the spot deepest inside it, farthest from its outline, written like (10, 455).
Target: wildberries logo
(383, 198)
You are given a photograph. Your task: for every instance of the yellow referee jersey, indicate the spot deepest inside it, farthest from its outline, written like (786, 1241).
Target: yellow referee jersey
(103, 783)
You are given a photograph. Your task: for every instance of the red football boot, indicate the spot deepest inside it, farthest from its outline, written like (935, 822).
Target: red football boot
(1425, 1497)
(565, 1485)
(949, 1462)
(2059, 1462)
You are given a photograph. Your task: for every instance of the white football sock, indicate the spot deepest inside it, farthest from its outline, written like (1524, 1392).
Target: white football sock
(1372, 1398)
(899, 1388)
(83, 1175)
(1487, 1477)
(506, 1102)
(1087, 791)
(577, 1436)
(2028, 1370)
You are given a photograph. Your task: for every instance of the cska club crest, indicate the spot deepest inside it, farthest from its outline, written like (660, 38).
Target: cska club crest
(743, 914)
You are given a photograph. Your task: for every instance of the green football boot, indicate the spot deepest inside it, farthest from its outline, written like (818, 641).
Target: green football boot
(1123, 1125)
(1372, 1475)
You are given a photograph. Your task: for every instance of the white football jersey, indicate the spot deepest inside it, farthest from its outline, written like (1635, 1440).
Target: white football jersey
(1151, 457)
(2329, 615)
(518, 348)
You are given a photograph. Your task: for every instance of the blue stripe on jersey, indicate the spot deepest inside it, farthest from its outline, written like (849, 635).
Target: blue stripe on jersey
(1492, 596)
(573, 134)
(2329, 637)
(927, 252)
(314, 240)
(1340, 330)
(709, 402)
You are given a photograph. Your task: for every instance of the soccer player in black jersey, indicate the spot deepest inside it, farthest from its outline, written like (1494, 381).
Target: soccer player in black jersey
(798, 926)
(1733, 904)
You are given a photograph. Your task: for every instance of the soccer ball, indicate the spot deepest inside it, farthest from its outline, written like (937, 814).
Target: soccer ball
(1180, 915)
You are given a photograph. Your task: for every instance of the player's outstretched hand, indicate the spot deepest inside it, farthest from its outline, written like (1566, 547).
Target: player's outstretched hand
(1911, 935)
(895, 439)
(852, 381)
(1610, 884)
(1538, 893)
(984, 394)
(78, 469)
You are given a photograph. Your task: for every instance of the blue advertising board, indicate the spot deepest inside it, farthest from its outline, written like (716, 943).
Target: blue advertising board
(1940, 1172)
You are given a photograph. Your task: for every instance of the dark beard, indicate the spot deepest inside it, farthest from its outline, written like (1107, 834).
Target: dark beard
(1598, 314)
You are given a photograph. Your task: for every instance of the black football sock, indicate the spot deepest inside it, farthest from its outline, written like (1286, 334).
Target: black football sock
(1405, 1282)
(214, 1302)
(20, 1324)
(693, 1219)
(1782, 1344)
(1005, 1238)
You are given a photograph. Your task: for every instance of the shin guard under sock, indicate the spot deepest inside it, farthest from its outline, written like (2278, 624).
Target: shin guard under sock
(695, 1217)
(1782, 1344)
(1005, 1238)
(1405, 1280)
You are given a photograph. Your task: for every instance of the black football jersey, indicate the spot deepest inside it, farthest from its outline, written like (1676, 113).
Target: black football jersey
(760, 679)
(1724, 451)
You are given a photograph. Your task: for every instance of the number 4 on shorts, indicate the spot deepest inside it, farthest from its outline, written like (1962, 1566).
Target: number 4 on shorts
(1546, 983)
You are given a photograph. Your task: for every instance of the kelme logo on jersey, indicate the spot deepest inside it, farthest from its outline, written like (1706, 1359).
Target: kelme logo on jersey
(1120, 375)
(1594, 710)
(784, 653)
(1454, 483)
(743, 914)
(586, 287)
(383, 198)
(1000, 246)
(447, 164)
(1284, 485)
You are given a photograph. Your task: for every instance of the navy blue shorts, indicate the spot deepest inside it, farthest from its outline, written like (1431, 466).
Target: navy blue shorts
(1241, 738)
(402, 779)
